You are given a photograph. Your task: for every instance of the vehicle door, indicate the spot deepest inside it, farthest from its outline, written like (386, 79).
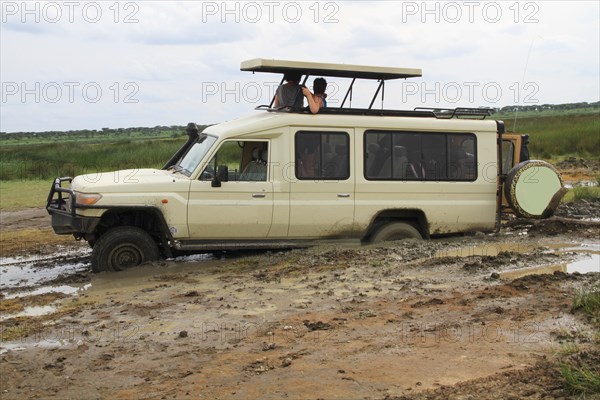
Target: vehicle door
(240, 206)
(511, 150)
(322, 188)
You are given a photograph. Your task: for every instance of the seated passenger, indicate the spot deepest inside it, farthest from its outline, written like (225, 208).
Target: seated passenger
(317, 100)
(288, 94)
(256, 170)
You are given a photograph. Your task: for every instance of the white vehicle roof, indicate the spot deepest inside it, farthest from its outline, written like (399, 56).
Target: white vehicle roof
(261, 122)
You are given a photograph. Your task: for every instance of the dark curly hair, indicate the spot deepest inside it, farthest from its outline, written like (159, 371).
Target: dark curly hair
(319, 86)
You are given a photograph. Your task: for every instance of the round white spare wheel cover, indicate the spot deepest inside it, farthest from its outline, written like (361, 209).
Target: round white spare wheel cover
(533, 189)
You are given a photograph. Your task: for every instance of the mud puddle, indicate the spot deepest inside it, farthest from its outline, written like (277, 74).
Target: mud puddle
(587, 257)
(27, 275)
(590, 264)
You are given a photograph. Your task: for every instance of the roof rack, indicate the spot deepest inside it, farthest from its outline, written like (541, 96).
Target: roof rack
(449, 113)
(419, 112)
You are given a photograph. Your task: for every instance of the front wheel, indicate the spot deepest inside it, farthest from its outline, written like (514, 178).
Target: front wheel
(123, 247)
(396, 231)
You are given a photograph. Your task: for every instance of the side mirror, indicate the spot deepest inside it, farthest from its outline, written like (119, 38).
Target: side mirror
(222, 175)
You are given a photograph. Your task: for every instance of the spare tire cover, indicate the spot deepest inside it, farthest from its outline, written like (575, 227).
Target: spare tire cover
(533, 189)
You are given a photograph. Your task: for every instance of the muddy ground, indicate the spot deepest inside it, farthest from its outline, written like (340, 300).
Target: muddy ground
(476, 317)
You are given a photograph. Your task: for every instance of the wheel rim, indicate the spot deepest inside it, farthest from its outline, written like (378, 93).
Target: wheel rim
(124, 256)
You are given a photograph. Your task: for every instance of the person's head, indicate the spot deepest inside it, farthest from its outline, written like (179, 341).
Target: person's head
(319, 86)
(292, 77)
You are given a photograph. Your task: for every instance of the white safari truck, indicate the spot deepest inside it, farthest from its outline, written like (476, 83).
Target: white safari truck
(286, 177)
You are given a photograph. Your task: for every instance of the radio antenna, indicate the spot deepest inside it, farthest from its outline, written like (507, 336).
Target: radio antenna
(523, 82)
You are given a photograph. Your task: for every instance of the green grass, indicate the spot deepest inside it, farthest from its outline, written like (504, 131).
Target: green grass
(580, 370)
(47, 161)
(581, 380)
(16, 195)
(509, 117)
(560, 135)
(29, 162)
(581, 193)
(588, 302)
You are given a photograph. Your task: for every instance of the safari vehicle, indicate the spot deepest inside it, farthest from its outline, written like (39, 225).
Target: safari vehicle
(284, 177)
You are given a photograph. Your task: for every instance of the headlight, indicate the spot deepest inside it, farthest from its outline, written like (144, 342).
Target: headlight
(87, 199)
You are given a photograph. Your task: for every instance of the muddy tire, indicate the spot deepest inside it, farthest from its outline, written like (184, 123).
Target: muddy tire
(395, 231)
(123, 247)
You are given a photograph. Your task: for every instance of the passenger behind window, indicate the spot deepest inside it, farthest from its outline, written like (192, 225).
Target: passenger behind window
(289, 94)
(458, 158)
(317, 100)
(309, 159)
(256, 170)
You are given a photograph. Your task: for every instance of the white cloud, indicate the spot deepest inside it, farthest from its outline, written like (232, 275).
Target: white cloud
(176, 54)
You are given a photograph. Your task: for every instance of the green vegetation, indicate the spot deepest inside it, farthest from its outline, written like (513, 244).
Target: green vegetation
(86, 135)
(510, 112)
(581, 380)
(558, 133)
(47, 161)
(581, 193)
(23, 194)
(30, 160)
(588, 302)
(580, 369)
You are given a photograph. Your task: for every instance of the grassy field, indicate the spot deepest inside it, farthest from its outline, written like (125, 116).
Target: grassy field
(47, 161)
(555, 135)
(28, 166)
(16, 195)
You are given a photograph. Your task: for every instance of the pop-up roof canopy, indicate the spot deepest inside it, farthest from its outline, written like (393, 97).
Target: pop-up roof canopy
(325, 69)
(381, 74)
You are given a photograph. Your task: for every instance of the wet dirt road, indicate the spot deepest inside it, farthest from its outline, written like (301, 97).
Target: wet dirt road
(418, 319)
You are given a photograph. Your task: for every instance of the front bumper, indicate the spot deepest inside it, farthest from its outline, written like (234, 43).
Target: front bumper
(61, 206)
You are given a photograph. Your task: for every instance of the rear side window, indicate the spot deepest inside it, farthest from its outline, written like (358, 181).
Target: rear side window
(508, 151)
(394, 155)
(322, 155)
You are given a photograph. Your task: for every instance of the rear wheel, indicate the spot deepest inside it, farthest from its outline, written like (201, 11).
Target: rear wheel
(395, 231)
(123, 247)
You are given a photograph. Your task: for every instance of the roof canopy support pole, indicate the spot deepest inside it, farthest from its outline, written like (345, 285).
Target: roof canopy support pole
(348, 93)
(275, 94)
(376, 93)
(300, 94)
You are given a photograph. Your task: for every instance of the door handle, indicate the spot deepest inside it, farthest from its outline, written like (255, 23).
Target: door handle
(258, 195)
(343, 195)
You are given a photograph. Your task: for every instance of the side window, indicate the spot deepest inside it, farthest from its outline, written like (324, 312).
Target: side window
(462, 164)
(245, 160)
(322, 155)
(508, 151)
(420, 156)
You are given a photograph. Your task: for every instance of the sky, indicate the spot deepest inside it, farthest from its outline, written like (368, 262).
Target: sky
(67, 65)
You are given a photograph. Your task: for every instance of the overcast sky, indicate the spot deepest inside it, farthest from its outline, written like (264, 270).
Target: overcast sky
(88, 65)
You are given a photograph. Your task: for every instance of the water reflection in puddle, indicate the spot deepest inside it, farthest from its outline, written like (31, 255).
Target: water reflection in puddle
(589, 264)
(30, 311)
(30, 275)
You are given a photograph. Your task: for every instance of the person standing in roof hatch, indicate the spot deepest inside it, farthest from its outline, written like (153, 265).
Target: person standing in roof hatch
(289, 94)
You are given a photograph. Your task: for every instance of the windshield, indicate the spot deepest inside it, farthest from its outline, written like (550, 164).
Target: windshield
(195, 154)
